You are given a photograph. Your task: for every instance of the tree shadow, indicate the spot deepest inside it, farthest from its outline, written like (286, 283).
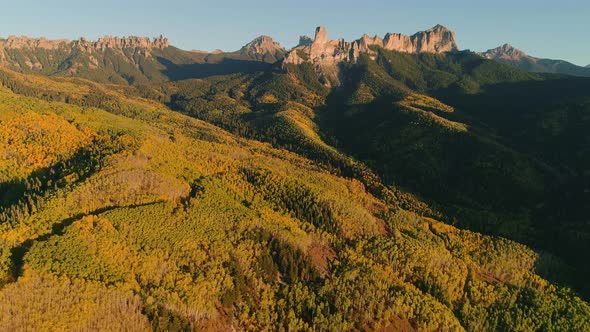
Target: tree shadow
(225, 66)
(24, 194)
(503, 103)
(530, 187)
(18, 253)
(565, 269)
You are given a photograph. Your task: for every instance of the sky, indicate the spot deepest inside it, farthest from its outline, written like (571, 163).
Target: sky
(542, 28)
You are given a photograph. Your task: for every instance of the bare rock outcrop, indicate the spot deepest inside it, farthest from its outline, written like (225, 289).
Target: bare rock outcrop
(101, 44)
(23, 42)
(120, 43)
(326, 54)
(323, 53)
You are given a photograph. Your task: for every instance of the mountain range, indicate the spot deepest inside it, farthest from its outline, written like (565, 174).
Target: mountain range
(129, 60)
(137, 60)
(389, 183)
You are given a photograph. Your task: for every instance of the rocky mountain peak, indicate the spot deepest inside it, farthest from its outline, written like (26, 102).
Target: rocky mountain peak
(505, 52)
(321, 35)
(507, 48)
(263, 45)
(510, 55)
(438, 27)
(438, 39)
(161, 42)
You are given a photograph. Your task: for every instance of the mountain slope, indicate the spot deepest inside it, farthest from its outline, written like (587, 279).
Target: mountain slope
(151, 218)
(515, 57)
(487, 146)
(524, 134)
(439, 190)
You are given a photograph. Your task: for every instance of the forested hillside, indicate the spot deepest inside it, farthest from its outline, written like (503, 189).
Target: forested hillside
(486, 146)
(425, 193)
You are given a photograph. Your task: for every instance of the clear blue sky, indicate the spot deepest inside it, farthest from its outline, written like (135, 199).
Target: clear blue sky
(552, 29)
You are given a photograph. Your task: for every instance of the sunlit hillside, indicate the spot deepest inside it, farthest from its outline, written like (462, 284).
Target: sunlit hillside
(119, 213)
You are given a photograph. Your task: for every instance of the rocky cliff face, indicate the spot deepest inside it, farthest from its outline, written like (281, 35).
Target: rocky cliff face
(435, 40)
(101, 44)
(132, 42)
(325, 54)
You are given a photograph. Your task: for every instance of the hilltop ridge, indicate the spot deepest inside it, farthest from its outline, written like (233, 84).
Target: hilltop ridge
(510, 55)
(21, 42)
